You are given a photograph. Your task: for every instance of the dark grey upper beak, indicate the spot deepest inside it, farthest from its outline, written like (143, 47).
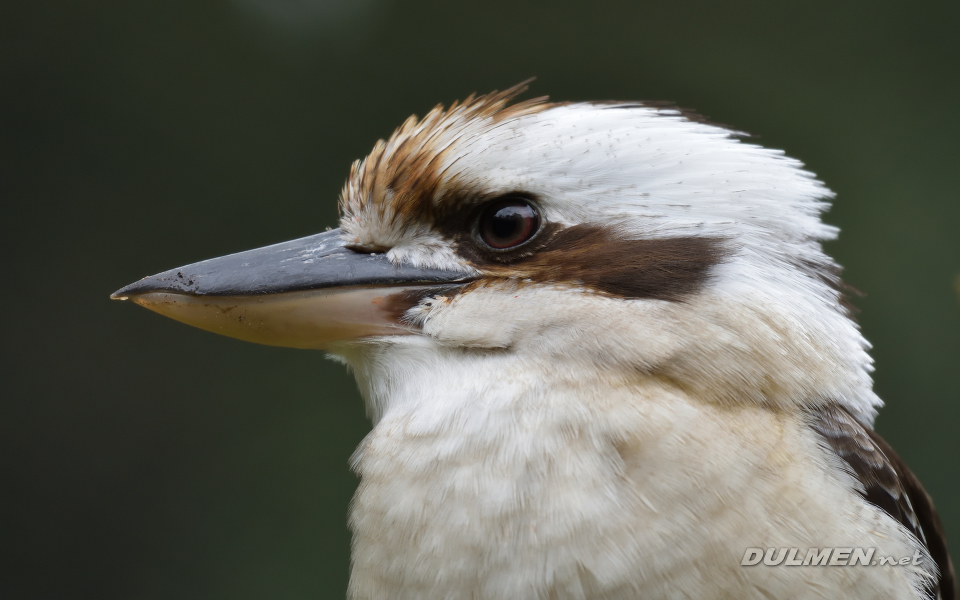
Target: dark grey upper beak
(310, 263)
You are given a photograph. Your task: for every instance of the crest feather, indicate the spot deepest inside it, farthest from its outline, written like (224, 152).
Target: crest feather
(401, 176)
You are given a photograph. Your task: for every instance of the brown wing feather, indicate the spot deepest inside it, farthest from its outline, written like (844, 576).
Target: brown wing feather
(888, 484)
(926, 513)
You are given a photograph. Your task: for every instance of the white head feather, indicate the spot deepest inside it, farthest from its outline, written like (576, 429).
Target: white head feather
(767, 327)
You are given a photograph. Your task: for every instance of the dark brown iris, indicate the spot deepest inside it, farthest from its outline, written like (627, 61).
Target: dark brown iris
(508, 222)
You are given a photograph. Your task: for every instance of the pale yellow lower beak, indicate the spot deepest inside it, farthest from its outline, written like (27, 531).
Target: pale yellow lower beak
(310, 320)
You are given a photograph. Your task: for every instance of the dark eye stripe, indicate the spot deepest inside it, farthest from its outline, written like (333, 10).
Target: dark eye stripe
(603, 260)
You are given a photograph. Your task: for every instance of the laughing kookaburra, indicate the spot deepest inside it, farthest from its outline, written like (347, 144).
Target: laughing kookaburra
(604, 355)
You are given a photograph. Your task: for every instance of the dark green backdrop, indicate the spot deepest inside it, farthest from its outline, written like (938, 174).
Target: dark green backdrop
(142, 459)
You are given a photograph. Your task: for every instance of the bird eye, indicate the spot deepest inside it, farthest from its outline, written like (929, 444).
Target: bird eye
(508, 223)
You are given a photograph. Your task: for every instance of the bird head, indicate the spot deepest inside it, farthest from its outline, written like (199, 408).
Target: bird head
(627, 240)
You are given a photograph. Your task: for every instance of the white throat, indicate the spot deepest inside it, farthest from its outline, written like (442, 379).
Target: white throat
(487, 473)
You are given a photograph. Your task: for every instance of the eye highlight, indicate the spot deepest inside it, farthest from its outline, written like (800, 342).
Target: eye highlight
(508, 222)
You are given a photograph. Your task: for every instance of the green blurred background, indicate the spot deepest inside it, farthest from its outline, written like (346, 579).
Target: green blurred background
(142, 459)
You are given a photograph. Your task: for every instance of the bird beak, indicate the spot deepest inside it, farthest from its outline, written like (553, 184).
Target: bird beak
(305, 293)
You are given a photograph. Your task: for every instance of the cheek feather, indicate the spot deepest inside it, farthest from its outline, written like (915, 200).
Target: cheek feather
(397, 304)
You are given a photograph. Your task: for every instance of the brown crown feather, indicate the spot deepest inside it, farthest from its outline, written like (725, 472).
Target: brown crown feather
(402, 175)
